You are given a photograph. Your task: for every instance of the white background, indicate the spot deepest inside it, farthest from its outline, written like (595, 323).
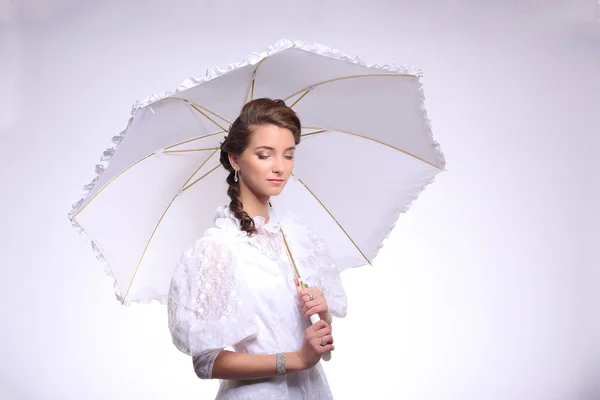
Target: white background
(489, 288)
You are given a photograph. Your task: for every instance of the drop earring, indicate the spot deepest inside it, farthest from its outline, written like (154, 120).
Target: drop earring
(235, 177)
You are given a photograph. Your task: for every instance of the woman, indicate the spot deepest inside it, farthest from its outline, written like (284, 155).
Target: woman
(235, 287)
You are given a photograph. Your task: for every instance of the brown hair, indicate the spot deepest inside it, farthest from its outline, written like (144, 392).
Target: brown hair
(254, 113)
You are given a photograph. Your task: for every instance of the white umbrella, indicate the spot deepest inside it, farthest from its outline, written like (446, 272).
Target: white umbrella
(366, 153)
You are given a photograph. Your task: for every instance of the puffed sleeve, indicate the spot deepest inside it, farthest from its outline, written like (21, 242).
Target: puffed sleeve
(207, 306)
(324, 274)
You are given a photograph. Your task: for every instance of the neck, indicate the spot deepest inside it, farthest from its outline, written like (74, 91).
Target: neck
(254, 205)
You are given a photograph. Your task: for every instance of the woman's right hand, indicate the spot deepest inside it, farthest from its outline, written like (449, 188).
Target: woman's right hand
(312, 351)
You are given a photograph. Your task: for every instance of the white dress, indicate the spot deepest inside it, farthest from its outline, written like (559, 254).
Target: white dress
(236, 290)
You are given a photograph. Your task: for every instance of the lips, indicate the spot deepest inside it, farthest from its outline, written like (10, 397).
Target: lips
(275, 180)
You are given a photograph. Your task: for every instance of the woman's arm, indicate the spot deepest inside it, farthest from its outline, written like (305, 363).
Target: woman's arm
(243, 366)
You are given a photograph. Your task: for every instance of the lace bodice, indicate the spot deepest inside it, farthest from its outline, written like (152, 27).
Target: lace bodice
(236, 290)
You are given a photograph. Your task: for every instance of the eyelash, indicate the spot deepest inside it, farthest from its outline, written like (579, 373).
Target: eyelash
(262, 157)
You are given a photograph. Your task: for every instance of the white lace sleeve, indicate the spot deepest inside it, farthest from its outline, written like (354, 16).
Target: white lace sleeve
(204, 362)
(326, 276)
(207, 309)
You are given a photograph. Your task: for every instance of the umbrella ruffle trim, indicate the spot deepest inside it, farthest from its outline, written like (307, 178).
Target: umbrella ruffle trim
(401, 210)
(107, 270)
(441, 164)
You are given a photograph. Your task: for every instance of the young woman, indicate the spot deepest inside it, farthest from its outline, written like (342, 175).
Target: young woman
(236, 287)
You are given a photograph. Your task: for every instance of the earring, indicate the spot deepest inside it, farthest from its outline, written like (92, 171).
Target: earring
(235, 177)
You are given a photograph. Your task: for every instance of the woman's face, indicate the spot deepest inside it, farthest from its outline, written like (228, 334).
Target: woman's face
(267, 163)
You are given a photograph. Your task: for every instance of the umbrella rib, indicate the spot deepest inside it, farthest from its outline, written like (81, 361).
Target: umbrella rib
(142, 159)
(158, 224)
(336, 221)
(190, 150)
(250, 88)
(199, 108)
(311, 87)
(196, 138)
(371, 139)
(300, 98)
(313, 133)
(109, 182)
(289, 253)
(202, 177)
(195, 107)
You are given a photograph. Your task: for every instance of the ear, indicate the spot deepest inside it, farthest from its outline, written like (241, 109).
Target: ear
(233, 160)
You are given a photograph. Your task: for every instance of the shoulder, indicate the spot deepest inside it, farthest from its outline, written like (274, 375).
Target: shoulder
(224, 232)
(214, 240)
(212, 252)
(219, 240)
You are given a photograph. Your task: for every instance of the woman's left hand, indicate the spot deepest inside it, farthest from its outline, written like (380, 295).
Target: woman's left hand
(315, 305)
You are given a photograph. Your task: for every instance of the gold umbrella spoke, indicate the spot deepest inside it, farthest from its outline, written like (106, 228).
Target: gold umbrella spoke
(195, 138)
(335, 220)
(146, 248)
(109, 182)
(372, 140)
(299, 98)
(313, 86)
(190, 150)
(199, 168)
(202, 110)
(289, 253)
(186, 186)
(202, 177)
(158, 224)
(313, 133)
(207, 117)
(250, 88)
(211, 112)
(142, 159)
(250, 83)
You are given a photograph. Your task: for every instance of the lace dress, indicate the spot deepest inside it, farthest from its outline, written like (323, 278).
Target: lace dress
(235, 290)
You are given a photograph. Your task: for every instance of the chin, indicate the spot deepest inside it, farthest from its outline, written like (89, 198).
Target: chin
(274, 191)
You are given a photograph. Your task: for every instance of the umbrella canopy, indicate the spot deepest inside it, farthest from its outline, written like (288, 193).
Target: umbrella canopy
(366, 153)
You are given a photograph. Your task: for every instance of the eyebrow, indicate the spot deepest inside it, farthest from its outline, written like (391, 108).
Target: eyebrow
(271, 148)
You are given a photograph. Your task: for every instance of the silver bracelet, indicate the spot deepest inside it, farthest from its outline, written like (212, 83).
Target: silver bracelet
(280, 364)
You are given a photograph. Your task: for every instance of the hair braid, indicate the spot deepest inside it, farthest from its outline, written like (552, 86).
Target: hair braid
(235, 205)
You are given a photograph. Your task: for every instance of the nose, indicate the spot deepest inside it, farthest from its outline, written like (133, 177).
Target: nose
(277, 165)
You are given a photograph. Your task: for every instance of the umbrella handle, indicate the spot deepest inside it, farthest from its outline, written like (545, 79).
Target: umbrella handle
(314, 319)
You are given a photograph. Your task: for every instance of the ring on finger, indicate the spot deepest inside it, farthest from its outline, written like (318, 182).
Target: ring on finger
(323, 342)
(311, 296)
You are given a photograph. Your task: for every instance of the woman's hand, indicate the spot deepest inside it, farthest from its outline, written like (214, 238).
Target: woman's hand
(317, 341)
(312, 301)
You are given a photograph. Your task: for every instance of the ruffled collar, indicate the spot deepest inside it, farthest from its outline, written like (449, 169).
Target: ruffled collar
(224, 218)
